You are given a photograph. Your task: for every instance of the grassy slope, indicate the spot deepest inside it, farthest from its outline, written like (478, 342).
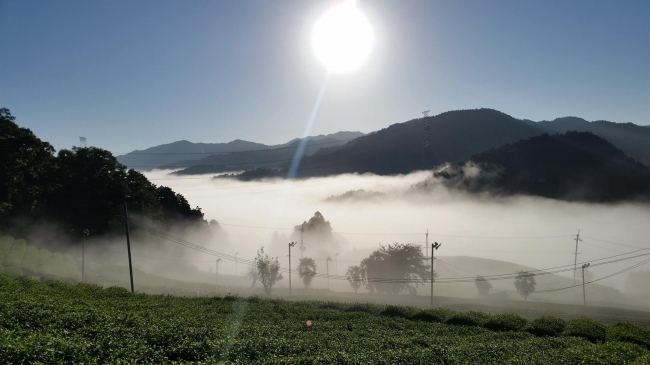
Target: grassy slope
(55, 322)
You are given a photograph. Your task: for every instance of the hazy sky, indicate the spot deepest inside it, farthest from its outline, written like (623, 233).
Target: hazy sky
(133, 74)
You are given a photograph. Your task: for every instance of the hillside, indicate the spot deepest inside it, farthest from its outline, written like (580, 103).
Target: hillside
(576, 166)
(244, 160)
(181, 151)
(55, 323)
(630, 138)
(399, 149)
(185, 153)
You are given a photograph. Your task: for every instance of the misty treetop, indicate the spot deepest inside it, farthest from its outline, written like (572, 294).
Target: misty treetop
(392, 269)
(79, 188)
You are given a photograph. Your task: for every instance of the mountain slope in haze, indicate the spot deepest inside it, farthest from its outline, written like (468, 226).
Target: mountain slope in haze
(184, 153)
(399, 149)
(273, 156)
(576, 166)
(630, 138)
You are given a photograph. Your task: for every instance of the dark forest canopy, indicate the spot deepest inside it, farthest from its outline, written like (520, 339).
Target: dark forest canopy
(576, 166)
(80, 188)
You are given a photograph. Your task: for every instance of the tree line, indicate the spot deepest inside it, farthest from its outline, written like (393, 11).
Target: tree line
(77, 188)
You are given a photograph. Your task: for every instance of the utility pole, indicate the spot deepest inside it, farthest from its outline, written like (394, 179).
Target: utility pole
(216, 273)
(575, 260)
(336, 261)
(427, 244)
(327, 262)
(291, 244)
(584, 295)
(434, 246)
(84, 233)
(236, 272)
(128, 242)
(302, 244)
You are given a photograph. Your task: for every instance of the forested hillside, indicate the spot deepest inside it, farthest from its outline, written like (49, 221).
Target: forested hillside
(575, 166)
(81, 188)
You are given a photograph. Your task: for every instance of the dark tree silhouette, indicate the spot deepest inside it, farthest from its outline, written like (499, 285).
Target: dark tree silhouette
(483, 287)
(355, 277)
(525, 283)
(394, 262)
(307, 270)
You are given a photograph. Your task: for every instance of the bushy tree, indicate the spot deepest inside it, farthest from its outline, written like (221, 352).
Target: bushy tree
(26, 168)
(307, 270)
(483, 287)
(253, 274)
(525, 283)
(393, 268)
(355, 277)
(268, 269)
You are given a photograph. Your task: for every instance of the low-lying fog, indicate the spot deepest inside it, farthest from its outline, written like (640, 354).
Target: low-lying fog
(528, 231)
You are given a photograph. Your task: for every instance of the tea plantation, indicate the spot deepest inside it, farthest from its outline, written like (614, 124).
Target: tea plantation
(54, 322)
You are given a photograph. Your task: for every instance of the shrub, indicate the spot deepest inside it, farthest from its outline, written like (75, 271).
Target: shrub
(30, 260)
(330, 305)
(627, 332)
(547, 326)
(12, 271)
(437, 315)
(44, 262)
(586, 328)
(15, 254)
(5, 244)
(506, 322)
(359, 308)
(394, 311)
(57, 265)
(70, 268)
(470, 318)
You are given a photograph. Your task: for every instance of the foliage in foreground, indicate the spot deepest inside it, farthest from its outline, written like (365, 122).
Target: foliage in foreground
(54, 322)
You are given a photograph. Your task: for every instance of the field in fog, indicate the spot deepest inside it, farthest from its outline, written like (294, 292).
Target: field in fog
(527, 231)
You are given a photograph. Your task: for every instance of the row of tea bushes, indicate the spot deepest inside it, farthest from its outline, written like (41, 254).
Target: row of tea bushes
(17, 258)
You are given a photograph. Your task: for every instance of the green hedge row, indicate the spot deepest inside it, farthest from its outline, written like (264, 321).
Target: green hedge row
(546, 326)
(17, 258)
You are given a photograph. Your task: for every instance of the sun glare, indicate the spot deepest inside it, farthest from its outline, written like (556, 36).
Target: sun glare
(342, 38)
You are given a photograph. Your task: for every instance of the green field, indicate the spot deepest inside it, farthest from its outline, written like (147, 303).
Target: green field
(53, 322)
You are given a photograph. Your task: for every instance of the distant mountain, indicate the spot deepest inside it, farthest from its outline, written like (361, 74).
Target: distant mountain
(185, 153)
(576, 166)
(630, 138)
(273, 156)
(402, 148)
(181, 151)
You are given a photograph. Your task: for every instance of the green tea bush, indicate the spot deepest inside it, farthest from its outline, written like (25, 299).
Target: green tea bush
(586, 328)
(45, 262)
(30, 260)
(12, 271)
(70, 268)
(437, 315)
(359, 308)
(15, 254)
(470, 318)
(627, 332)
(394, 311)
(5, 245)
(547, 326)
(506, 322)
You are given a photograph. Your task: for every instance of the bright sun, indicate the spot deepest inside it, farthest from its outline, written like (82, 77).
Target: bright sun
(342, 38)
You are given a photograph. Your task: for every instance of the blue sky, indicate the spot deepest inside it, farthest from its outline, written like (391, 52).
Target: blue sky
(134, 74)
